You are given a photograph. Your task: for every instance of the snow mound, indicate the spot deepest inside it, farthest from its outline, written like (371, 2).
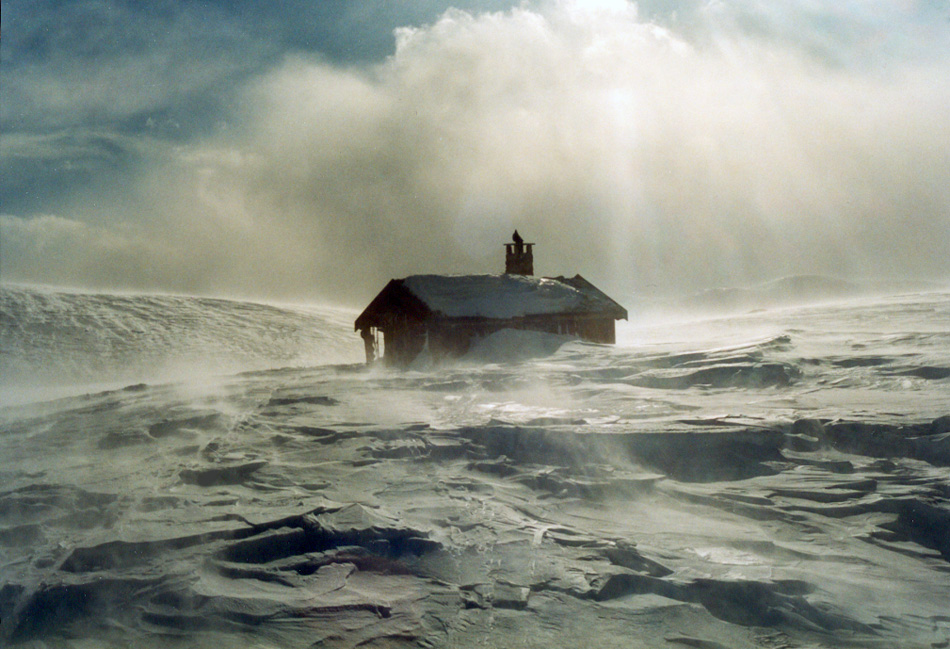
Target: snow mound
(515, 345)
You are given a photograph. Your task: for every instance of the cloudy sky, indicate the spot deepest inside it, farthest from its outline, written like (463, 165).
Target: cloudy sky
(313, 150)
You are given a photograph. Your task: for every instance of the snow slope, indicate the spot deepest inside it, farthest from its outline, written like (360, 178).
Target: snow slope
(51, 340)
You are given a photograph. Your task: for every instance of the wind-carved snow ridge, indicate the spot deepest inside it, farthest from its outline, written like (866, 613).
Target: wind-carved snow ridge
(778, 479)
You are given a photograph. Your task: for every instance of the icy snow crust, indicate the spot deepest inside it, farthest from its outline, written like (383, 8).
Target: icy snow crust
(775, 479)
(494, 296)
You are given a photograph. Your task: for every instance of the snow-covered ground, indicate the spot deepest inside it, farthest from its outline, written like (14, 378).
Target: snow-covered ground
(777, 478)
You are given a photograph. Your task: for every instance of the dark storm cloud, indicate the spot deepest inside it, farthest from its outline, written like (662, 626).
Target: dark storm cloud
(683, 145)
(78, 62)
(80, 75)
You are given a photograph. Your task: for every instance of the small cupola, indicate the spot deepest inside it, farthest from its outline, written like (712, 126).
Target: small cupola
(519, 260)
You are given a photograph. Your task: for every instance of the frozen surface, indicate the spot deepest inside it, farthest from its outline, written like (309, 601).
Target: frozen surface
(773, 479)
(494, 296)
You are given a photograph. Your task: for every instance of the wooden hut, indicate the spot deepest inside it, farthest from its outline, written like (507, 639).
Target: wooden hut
(446, 313)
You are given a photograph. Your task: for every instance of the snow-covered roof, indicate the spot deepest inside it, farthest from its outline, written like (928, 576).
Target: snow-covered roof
(497, 296)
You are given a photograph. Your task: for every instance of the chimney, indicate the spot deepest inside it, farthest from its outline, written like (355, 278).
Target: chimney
(519, 259)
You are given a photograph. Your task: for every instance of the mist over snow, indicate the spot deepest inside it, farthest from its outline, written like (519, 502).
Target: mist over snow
(317, 151)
